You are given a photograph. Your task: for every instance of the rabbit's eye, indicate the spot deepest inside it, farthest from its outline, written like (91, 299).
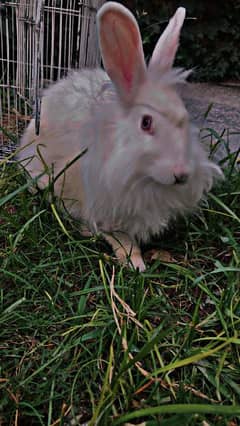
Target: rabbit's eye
(146, 123)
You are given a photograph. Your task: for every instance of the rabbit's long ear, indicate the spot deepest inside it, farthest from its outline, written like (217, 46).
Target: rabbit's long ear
(121, 48)
(167, 45)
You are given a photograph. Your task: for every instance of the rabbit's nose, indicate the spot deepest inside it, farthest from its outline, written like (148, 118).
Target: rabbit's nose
(181, 178)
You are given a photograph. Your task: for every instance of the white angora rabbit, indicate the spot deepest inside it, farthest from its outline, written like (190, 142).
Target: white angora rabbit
(144, 164)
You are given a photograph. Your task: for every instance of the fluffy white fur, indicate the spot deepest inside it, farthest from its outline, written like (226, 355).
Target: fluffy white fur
(124, 185)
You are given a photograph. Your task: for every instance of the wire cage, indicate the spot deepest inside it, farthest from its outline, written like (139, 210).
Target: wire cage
(40, 41)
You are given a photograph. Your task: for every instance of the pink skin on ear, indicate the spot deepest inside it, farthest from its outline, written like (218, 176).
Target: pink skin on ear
(121, 48)
(166, 48)
(124, 63)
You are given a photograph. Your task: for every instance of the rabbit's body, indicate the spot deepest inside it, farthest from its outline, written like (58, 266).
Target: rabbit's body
(143, 165)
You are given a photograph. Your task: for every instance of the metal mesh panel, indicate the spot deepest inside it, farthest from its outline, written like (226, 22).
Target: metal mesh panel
(39, 42)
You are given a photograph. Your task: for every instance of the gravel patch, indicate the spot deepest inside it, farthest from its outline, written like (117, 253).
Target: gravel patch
(215, 107)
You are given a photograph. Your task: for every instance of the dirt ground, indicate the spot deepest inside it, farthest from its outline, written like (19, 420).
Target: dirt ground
(223, 103)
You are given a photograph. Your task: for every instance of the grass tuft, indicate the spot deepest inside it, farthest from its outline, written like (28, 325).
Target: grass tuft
(84, 340)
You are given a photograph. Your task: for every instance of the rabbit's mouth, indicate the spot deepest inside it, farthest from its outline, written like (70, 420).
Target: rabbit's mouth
(158, 181)
(168, 181)
(171, 174)
(181, 179)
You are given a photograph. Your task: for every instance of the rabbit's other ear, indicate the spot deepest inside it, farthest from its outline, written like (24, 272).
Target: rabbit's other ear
(167, 45)
(121, 49)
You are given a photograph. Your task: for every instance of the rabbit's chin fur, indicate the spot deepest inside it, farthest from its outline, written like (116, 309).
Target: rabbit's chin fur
(140, 206)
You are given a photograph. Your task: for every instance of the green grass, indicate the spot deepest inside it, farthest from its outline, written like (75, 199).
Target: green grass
(85, 340)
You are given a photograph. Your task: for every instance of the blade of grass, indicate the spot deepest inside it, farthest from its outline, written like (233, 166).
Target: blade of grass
(17, 191)
(223, 205)
(205, 353)
(231, 410)
(105, 387)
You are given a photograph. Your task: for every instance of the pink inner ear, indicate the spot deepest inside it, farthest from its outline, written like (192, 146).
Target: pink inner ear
(167, 45)
(122, 52)
(171, 52)
(125, 61)
(127, 75)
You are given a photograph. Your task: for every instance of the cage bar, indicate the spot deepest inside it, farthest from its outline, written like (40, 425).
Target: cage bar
(40, 41)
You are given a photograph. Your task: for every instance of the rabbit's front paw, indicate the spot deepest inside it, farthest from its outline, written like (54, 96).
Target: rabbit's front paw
(126, 250)
(85, 232)
(137, 262)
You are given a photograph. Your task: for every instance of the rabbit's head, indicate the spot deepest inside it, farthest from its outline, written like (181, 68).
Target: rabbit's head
(154, 137)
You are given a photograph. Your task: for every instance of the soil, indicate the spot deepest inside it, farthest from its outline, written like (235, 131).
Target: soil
(216, 107)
